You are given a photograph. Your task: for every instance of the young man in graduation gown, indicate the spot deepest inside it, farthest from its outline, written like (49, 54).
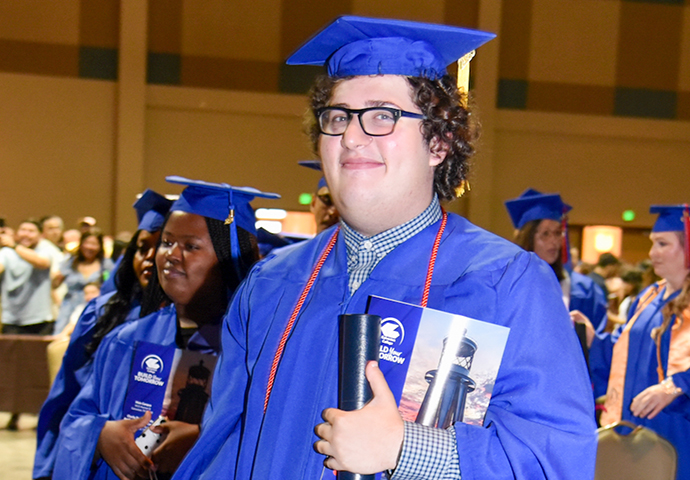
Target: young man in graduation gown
(393, 138)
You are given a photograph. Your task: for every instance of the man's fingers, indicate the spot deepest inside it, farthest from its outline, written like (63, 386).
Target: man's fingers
(323, 447)
(323, 430)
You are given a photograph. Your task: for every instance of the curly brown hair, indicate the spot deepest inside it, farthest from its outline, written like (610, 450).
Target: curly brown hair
(445, 119)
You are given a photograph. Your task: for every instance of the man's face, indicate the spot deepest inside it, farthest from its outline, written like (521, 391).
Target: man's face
(323, 209)
(52, 230)
(28, 235)
(387, 179)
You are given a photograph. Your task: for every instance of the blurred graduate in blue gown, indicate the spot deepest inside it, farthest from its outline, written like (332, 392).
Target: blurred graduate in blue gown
(541, 227)
(643, 367)
(110, 310)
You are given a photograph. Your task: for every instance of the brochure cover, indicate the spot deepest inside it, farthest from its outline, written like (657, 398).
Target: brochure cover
(440, 366)
(151, 368)
(169, 382)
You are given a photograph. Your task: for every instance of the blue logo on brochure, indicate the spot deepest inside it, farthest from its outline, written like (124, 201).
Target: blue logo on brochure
(392, 336)
(392, 331)
(152, 364)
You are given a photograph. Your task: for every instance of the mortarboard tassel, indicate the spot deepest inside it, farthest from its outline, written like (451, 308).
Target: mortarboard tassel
(464, 76)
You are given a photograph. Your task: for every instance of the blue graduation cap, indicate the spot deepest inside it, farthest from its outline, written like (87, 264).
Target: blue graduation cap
(223, 202)
(315, 165)
(353, 45)
(671, 218)
(151, 210)
(534, 205)
(674, 218)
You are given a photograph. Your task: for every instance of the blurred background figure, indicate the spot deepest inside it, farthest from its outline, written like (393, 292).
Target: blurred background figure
(540, 225)
(322, 207)
(643, 368)
(84, 224)
(87, 265)
(26, 301)
(53, 227)
(70, 239)
(605, 269)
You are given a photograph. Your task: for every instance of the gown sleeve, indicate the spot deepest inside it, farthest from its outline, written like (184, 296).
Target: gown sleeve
(73, 374)
(223, 414)
(82, 425)
(540, 421)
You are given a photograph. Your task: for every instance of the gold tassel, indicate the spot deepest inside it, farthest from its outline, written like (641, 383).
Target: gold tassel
(462, 188)
(231, 217)
(464, 76)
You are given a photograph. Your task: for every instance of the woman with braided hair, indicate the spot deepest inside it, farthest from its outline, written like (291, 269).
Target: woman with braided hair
(101, 316)
(644, 366)
(206, 247)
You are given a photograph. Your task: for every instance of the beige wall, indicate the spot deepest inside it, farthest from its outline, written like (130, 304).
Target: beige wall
(59, 138)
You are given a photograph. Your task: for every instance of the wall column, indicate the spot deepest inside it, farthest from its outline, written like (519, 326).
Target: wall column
(130, 122)
(485, 93)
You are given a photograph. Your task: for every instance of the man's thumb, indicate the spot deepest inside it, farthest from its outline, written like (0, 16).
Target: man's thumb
(378, 384)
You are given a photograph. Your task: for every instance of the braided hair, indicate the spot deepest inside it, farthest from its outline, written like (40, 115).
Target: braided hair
(119, 305)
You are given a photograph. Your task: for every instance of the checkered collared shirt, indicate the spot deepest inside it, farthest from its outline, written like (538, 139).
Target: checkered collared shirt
(364, 253)
(427, 453)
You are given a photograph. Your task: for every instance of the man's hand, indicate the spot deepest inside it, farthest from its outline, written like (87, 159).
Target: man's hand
(650, 401)
(116, 446)
(363, 441)
(7, 240)
(179, 438)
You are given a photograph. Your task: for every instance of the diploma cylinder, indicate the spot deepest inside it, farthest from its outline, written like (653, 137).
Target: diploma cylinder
(360, 336)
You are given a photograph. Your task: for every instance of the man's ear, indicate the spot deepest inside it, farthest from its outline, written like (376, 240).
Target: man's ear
(438, 151)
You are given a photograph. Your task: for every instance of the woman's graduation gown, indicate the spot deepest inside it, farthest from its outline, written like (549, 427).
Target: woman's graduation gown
(102, 398)
(673, 422)
(73, 374)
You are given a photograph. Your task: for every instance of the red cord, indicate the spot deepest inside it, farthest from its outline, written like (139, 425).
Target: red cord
(295, 312)
(281, 346)
(432, 260)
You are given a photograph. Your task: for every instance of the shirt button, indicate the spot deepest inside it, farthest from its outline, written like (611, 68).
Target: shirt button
(356, 284)
(367, 245)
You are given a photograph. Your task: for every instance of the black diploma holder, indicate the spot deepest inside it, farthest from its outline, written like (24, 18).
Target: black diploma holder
(360, 337)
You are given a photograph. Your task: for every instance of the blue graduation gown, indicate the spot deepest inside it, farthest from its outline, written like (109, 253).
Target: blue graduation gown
(73, 374)
(539, 423)
(103, 396)
(673, 423)
(588, 297)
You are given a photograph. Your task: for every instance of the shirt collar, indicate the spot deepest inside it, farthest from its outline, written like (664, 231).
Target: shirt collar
(387, 240)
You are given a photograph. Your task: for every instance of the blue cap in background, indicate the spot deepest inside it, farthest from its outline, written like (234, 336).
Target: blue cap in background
(151, 210)
(353, 45)
(315, 165)
(671, 218)
(534, 205)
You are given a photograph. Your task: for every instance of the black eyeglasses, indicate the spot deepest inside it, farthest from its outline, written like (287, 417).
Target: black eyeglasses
(375, 121)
